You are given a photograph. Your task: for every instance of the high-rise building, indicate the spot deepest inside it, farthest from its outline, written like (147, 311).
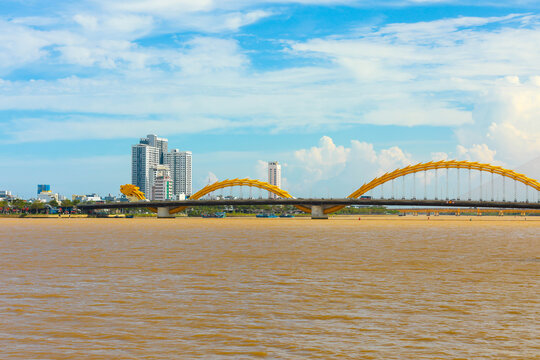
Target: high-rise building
(160, 143)
(180, 166)
(43, 188)
(143, 158)
(150, 159)
(274, 177)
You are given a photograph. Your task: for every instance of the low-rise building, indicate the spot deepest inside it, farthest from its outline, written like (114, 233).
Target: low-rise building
(47, 196)
(5, 195)
(110, 197)
(93, 197)
(80, 198)
(162, 188)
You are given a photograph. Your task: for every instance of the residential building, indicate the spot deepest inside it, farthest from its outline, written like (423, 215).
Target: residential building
(149, 159)
(162, 188)
(181, 173)
(274, 177)
(143, 158)
(157, 142)
(161, 173)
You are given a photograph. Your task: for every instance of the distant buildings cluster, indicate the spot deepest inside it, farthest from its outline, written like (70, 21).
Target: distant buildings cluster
(160, 174)
(45, 195)
(6, 195)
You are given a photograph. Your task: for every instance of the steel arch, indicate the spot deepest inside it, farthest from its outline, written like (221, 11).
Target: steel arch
(237, 182)
(432, 165)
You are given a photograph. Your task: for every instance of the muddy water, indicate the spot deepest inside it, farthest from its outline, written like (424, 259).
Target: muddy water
(269, 288)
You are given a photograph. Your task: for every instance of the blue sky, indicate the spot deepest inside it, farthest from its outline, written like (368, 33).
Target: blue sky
(337, 91)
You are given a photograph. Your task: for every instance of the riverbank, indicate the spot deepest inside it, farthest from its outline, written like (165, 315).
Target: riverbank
(303, 217)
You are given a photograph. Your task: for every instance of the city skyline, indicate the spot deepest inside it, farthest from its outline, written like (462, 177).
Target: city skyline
(153, 165)
(338, 92)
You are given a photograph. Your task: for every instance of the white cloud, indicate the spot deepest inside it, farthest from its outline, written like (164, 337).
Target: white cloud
(426, 73)
(261, 170)
(507, 119)
(323, 161)
(392, 158)
(210, 178)
(415, 114)
(438, 156)
(20, 45)
(477, 152)
(347, 166)
(159, 7)
(118, 26)
(39, 130)
(201, 56)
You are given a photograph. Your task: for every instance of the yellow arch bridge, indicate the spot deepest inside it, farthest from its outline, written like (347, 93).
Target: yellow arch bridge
(320, 208)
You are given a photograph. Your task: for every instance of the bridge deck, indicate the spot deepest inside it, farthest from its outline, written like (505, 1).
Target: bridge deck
(323, 202)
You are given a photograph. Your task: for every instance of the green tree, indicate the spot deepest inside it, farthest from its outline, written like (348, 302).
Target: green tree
(19, 204)
(53, 203)
(67, 203)
(3, 204)
(36, 206)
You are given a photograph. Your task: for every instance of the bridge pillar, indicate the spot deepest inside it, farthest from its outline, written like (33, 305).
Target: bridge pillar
(163, 213)
(317, 212)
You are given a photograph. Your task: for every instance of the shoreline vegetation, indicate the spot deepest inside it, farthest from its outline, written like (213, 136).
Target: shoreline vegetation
(424, 217)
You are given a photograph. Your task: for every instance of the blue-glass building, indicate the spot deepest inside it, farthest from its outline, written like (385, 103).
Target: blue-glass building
(43, 187)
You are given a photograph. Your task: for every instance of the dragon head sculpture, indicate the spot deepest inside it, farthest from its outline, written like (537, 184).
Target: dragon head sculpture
(132, 192)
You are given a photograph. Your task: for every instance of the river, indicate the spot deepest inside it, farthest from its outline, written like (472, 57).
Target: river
(194, 288)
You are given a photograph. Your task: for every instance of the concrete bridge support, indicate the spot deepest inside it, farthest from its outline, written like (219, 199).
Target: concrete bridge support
(163, 213)
(317, 212)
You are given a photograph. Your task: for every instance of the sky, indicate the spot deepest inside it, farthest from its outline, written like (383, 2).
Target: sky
(337, 91)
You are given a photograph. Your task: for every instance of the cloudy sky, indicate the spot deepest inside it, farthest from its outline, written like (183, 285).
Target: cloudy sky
(338, 91)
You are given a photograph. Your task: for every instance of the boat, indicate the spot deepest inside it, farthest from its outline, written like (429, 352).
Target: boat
(214, 215)
(266, 215)
(286, 216)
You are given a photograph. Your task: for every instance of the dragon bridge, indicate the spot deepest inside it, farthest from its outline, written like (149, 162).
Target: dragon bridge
(134, 194)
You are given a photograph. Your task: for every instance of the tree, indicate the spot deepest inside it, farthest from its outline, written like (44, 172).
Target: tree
(53, 203)
(19, 204)
(67, 203)
(36, 206)
(3, 205)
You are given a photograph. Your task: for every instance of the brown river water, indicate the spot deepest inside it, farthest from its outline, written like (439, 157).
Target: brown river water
(269, 289)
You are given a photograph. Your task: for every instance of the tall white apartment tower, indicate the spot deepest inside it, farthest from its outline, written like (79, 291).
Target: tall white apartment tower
(152, 161)
(180, 166)
(274, 177)
(143, 158)
(157, 142)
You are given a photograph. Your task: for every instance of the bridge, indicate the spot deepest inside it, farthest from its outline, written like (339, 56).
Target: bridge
(445, 184)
